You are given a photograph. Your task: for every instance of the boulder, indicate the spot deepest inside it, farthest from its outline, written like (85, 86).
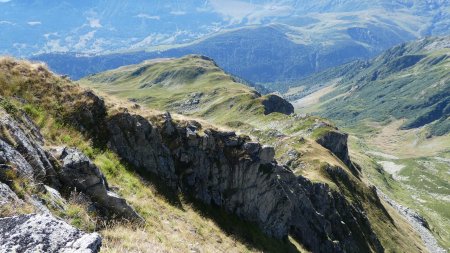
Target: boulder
(44, 233)
(273, 103)
(80, 173)
(267, 154)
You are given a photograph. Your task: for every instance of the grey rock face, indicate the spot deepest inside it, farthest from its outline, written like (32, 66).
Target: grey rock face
(88, 116)
(139, 143)
(252, 148)
(240, 176)
(80, 173)
(25, 137)
(44, 233)
(7, 196)
(267, 154)
(345, 221)
(8, 155)
(274, 103)
(336, 142)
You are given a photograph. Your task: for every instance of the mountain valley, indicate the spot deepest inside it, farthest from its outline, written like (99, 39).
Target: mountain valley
(225, 126)
(394, 106)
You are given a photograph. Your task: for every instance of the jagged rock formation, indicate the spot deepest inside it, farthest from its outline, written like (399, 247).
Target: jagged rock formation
(241, 176)
(25, 152)
(24, 149)
(44, 233)
(24, 158)
(346, 220)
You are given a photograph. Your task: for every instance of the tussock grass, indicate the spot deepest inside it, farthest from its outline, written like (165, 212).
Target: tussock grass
(14, 209)
(77, 213)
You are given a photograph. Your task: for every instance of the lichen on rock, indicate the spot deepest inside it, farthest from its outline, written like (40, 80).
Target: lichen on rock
(44, 233)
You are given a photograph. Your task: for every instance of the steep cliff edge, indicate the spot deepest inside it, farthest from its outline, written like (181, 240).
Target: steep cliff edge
(230, 171)
(216, 167)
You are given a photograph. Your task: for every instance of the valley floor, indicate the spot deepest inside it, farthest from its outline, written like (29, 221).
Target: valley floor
(414, 173)
(417, 222)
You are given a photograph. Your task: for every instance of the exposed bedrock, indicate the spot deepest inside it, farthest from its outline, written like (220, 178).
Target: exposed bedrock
(241, 176)
(44, 233)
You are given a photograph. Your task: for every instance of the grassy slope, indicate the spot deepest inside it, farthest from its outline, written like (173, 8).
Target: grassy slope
(229, 104)
(175, 85)
(378, 102)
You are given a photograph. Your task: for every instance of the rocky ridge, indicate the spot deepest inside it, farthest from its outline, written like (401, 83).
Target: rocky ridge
(217, 168)
(241, 176)
(24, 160)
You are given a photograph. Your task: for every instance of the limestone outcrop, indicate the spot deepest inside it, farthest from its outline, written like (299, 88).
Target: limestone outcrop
(44, 233)
(26, 162)
(336, 142)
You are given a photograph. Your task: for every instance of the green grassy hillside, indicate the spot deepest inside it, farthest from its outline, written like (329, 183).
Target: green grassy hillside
(193, 85)
(411, 82)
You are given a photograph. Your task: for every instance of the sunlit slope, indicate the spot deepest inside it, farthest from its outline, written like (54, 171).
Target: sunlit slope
(192, 85)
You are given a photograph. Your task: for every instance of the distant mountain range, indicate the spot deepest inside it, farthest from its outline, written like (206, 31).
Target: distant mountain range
(268, 43)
